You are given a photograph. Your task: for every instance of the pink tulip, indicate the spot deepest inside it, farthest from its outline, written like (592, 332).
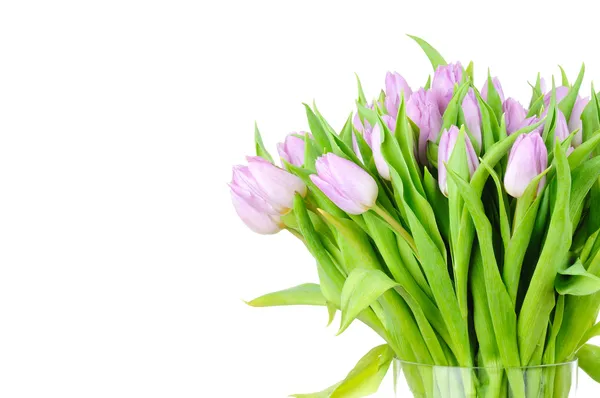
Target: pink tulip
(497, 86)
(447, 144)
(470, 108)
(347, 185)
(395, 86)
(528, 158)
(575, 120)
(292, 149)
(561, 93)
(444, 79)
(423, 110)
(515, 115)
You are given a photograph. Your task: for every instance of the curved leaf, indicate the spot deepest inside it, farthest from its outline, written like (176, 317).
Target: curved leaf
(576, 281)
(434, 56)
(589, 360)
(305, 294)
(362, 288)
(260, 147)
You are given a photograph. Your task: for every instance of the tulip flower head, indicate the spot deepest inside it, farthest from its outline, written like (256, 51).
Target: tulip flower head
(292, 149)
(444, 79)
(447, 144)
(395, 86)
(528, 158)
(561, 129)
(497, 86)
(259, 221)
(561, 93)
(470, 108)
(515, 115)
(347, 185)
(423, 110)
(575, 120)
(262, 180)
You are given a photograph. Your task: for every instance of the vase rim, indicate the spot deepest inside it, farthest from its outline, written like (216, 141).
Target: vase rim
(571, 363)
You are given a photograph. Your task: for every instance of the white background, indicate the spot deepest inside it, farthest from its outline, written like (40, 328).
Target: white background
(122, 263)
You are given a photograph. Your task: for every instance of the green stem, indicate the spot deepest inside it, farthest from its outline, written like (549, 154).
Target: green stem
(396, 227)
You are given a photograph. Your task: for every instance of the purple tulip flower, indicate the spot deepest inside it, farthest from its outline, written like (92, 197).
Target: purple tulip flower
(447, 144)
(347, 185)
(423, 110)
(528, 158)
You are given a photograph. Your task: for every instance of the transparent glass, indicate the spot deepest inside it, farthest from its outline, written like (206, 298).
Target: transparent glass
(427, 381)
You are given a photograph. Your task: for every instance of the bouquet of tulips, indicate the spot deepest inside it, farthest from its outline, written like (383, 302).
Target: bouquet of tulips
(461, 226)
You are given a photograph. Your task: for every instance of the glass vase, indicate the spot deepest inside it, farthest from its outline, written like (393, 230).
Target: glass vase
(428, 381)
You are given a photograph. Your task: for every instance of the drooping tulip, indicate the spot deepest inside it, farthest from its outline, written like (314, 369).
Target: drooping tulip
(561, 93)
(423, 110)
(395, 86)
(447, 144)
(497, 86)
(528, 158)
(347, 185)
(575, 120)
(470, 108)
(273, 185)
(292, 149)
(444, 79)
(257, 220)
(515, 115)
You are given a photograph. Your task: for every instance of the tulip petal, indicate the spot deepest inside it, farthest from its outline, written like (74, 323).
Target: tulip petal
(336, 196)
(256, 220)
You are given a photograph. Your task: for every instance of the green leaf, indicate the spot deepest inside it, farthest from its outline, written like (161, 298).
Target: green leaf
(347, 130)
(501, 309)
(493, 98)
(367, 375)
(583, 151)
(260, 147)
(434, 56)
(318, 131)
(362, 288)
(583, 177)
(566, 105)
(361, 94)
(305, 294)
(326, 393)
(576, 281)
(594, 331)
(540, 297)
(589, 360)
(565, 79)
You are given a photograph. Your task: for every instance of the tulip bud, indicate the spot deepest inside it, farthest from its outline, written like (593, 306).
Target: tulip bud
(514, 113)
(575, 120)
(347, 185)
(528, 158)
(395, 86)
(447, 143)
(529, 122)
(444, 79)
(497, 86)
(292, 149)
(561, 129)
(423, 110)
(276, 187)
(258, 221)
(374, 140)
(358, 123)
(470, 108)
(561, 93)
